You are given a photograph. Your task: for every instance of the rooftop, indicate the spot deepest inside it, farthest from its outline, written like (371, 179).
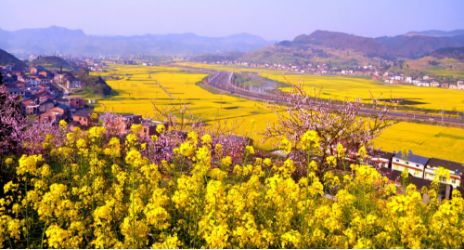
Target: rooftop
(412, 157)
(451, 165)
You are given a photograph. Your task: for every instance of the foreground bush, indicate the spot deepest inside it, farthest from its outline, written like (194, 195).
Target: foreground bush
(92, 190)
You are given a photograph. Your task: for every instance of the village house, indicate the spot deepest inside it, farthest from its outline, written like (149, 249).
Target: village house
(121, 124)
(34, 70)
(82, 118)
(456, 171)
(67, 80)
(15, 91)
(380, 159)
(76, 102)
(44, 96)
(460, 84)
(149, 128)
(53, 115)
(30, 106)
(414, 164)
(46, 105)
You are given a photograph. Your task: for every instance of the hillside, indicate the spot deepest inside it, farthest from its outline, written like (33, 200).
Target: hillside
(53, 63)
(63, 41)
(8, 59)
(346, 49)
(93, 85)
(456, 53)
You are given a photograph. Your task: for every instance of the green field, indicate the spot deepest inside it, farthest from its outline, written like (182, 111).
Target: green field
(140, 86)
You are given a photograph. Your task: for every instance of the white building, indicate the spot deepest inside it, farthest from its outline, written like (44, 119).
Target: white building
(456, 171)
(413, 163)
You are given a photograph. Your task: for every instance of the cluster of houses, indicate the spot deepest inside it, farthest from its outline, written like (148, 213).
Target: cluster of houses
(41, 93)
(421, 81)
(422, 171)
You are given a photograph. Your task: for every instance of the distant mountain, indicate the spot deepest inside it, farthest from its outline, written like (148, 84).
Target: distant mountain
(341, 41)
(8, 59)
(418, 46)
(63, 41)
(436, 33)
(345, 49)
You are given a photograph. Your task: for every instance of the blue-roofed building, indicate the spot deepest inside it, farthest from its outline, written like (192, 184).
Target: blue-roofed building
(415, 164)
(456, 170)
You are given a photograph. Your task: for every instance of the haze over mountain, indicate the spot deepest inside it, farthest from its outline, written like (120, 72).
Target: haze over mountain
(436, 33)
(63, 41)
(319, 46)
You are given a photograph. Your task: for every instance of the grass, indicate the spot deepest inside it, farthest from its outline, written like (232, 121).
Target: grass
(139, 87)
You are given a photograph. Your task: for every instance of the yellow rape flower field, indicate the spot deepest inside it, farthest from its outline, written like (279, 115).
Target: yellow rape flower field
(139, 87)
(351, 88)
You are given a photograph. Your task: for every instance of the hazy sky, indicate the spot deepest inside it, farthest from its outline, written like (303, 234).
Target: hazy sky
(271, 19)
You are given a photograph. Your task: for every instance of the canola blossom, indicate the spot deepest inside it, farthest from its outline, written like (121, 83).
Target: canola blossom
(95, 190)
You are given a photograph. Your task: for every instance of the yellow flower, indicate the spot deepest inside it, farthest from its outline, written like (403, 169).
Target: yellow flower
(309, 141)
(134, 158)
(81, 143)
(131, 141)
(9, 161)
(70, 137)
(186, 149)
(250, 150)
(63, 124)
(28, 164)
(331, 161)
(170, 242)
(192, 137)
(206, 139)
(267, 162)
(160, 128)
(217, 174)
(226, 161)
(340, 151)
(218, 149)
(10, 186)
(291, 239)
(136, 128)
(362, 152)
(96, 133)
(113, 148)
(286, 145)
(56, 236)
(14, 228)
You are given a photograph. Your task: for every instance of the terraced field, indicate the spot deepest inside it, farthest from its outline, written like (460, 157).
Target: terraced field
(139, 87)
